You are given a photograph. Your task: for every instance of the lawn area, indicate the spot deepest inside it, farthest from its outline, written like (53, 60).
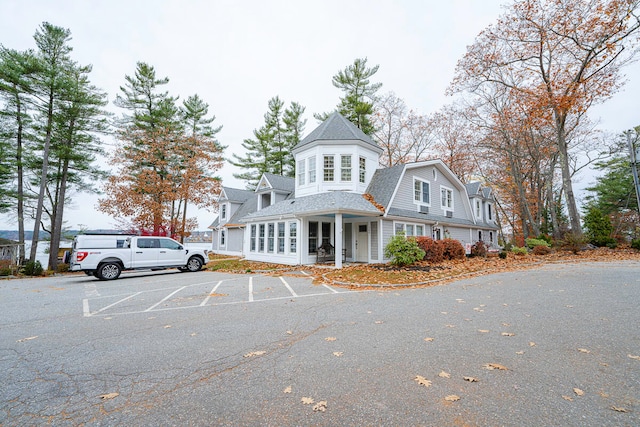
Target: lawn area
(421, 273)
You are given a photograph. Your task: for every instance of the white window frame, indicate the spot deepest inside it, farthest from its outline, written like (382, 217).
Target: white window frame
(478, 207)
(301, 172)
(253, 237)
(444, 206)
(293, 237)
(223, 238)
(312, 169)
(223, 211)
(490, 211)
(345, 168)
(422, 183)
(402, 226)
(328, 171)
(362, 169)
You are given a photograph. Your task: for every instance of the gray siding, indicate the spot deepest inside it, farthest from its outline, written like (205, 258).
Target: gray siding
(387, 234)
(214, 240)
(404, 194)
(234, 239)
(461, 234)
(374, 240)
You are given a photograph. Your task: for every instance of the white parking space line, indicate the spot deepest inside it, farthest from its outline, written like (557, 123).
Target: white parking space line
(251, 289)
(213, 291)
(331, 289)
(288, 287)
(164, 299)
(114, 304)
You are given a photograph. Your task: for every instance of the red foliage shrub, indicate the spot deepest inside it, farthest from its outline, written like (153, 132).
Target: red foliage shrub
(479, 249)
(453, 249)
(541, 250)
(433, 250)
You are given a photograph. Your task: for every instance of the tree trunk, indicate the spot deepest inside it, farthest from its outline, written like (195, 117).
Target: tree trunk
(20, 178)
(574, 215)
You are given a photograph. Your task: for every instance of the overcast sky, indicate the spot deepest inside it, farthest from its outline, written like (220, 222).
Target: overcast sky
(236, 55)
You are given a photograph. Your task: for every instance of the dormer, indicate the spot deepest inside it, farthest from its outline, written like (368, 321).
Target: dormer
(229, 200)
(336, 156)
(272, 189)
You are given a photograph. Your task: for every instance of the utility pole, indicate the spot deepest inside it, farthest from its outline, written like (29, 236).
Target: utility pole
(634, 149)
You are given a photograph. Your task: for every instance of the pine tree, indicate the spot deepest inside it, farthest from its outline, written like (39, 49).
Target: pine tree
(357, 104)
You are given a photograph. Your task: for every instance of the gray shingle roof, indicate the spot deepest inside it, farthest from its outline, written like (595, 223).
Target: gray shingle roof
(336, 128)
(383, 184)
(318, 204)
(472, 188)
(237, 195)
(250, 205)
(279, 182)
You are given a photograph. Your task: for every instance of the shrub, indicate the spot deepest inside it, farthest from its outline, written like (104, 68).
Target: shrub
(6, 269)
(574, 242)
(403, 251)
(541, 250)
(32, 268)
(479, 249)
(635, 244)
(433, 250)
(532, 243)
(453, 249)
(503, 254)
(519, 250)
(599, 228)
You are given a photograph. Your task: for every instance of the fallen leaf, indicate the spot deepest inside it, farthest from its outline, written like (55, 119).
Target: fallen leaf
(443, 312)
(569, 398)
(631, 356)
(28, 339)
(484, 331)
(603, 394)
(619, 409)
(255, 353)
(428, 339)
(289, 332)
(193, 334)
(287, 390)
(330, 338)
(337, 353)
(422, 381)
(532, 344)
(450, 326)
(109, 396)
(578, 392)
(378, 322)
(452, 398)
(584, 350)
(505, 324)
(471, 379)
(320, 406)
(307, 400)
(444, 374)
(492, 366)
(167, 326)
(520, 352)
(507, 334)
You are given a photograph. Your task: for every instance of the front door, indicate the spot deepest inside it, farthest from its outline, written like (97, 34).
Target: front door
(362, 244)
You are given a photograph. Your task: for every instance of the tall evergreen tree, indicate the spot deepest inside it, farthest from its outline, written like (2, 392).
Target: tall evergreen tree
(53, 57)
(270, 150)
(357, 103)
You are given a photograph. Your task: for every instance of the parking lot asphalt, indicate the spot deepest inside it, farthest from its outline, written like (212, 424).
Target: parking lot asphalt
(559, 345)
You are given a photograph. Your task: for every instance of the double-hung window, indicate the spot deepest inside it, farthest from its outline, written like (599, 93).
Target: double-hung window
(446, 198)
(345, 168)
(281, 237)
(328, 168)
(293, 237)
(223, 211)
(253, 237)
(312, 169)
(301, 172)
(363, 169)
(271, 237)
(421, 192)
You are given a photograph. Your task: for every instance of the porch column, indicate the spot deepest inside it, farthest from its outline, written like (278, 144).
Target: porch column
(338, 242)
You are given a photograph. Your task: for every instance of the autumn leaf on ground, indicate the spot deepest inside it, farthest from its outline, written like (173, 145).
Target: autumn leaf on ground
(428, 339)
(422, 381)
(452, 398)
(378, 322)
(28, 339)
(450, 326)
(631, 356)
(471, 379)
(330, 338)
(320, 406)
(287, 390)
(507, 334)
(255, 353)
(338, 353)
(569, 398)
(492, 366)
(307, 400)
(444, 374)
(167, 326)
(532, 344)
(505, 324)
(519, 352)
(109, 396)
(483, 331)
(619, 409)
(584, 350)
(578, 391)
(289, 332)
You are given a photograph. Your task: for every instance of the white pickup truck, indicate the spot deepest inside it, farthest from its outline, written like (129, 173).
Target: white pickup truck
(106, 256)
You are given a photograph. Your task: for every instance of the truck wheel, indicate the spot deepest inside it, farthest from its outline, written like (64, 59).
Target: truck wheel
(194, 264)
(109, 271)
